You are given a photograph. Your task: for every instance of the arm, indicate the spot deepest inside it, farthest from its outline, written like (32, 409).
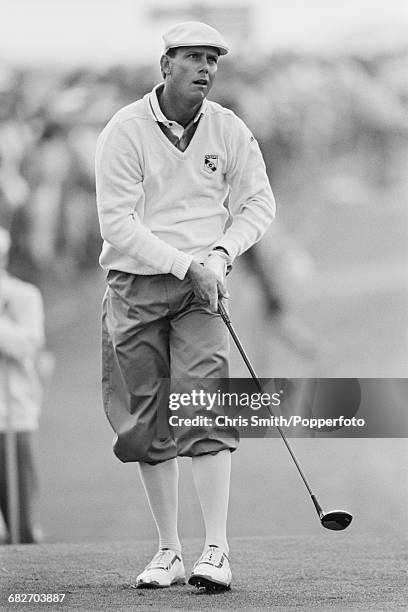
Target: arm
(121, 200)
(251, 204)
(22, 325)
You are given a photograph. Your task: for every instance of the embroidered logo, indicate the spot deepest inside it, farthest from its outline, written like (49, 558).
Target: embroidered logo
(210, 163)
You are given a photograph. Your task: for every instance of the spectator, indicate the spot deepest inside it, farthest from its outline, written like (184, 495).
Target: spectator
(21, 341)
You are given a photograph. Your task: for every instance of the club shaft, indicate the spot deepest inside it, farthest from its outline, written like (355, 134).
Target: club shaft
(239, 346)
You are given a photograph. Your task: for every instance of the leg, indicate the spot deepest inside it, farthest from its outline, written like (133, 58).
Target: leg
(199, 351)
(199, 356)
(211, 475)
(161, 485)
(136, 367)
(135, 384)
(3, 482)
(28, 486)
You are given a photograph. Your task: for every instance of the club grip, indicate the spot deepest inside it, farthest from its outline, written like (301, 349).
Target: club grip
(223, 312)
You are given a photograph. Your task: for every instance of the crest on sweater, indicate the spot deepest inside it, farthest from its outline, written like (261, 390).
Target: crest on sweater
(210, 163)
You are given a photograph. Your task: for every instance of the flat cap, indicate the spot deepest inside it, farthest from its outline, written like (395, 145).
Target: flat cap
(194, 34)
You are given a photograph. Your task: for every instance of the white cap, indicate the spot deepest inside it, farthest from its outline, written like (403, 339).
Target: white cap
(194, 34)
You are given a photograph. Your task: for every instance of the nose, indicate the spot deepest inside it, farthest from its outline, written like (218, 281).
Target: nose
(205, 66)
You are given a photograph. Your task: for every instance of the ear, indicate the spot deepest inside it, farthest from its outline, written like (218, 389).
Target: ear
(165, 65)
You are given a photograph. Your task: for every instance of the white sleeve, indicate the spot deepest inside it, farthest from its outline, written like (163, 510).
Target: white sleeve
(121, 201)
(251, 201)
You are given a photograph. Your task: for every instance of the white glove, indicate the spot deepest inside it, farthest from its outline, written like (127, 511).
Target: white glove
(218, 262)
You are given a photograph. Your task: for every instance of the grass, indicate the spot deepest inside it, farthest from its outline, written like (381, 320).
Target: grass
(331, 571)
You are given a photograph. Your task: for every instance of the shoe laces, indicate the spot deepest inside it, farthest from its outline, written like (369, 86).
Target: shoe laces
(161, 559)
(212, 555)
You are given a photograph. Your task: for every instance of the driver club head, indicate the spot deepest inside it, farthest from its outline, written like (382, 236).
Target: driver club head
(336, 520)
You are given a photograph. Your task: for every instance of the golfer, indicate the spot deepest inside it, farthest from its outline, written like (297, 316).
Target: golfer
(181, 192)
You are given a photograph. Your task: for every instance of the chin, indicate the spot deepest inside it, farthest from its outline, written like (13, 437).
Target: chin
(198, 97)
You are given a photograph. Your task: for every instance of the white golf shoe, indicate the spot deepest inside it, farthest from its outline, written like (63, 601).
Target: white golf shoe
(212, 571)
(166, 568)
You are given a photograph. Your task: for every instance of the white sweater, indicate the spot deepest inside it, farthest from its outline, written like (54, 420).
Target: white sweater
(159, 207)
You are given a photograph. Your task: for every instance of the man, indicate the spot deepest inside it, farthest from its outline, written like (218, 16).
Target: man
(21, 339)
(165, 166)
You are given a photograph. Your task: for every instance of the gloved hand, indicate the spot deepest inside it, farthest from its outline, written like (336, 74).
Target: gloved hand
(217, 261)
(205, 284)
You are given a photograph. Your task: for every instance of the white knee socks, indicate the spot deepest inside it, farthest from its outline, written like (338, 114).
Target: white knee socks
(161, 485)
(211, 475)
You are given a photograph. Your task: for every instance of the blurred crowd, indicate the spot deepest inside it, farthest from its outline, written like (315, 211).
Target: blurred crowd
(304, 110)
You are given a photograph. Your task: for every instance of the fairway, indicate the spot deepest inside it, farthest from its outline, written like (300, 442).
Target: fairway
(325, 572)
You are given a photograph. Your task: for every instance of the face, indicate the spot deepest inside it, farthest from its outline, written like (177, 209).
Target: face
(191, 72)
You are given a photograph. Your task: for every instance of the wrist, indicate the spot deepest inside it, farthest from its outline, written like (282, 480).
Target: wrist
(193, 269)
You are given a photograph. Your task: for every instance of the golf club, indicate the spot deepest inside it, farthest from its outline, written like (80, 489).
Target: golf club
(335, 520)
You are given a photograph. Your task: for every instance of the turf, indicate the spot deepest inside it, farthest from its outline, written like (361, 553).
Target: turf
(326, 572)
